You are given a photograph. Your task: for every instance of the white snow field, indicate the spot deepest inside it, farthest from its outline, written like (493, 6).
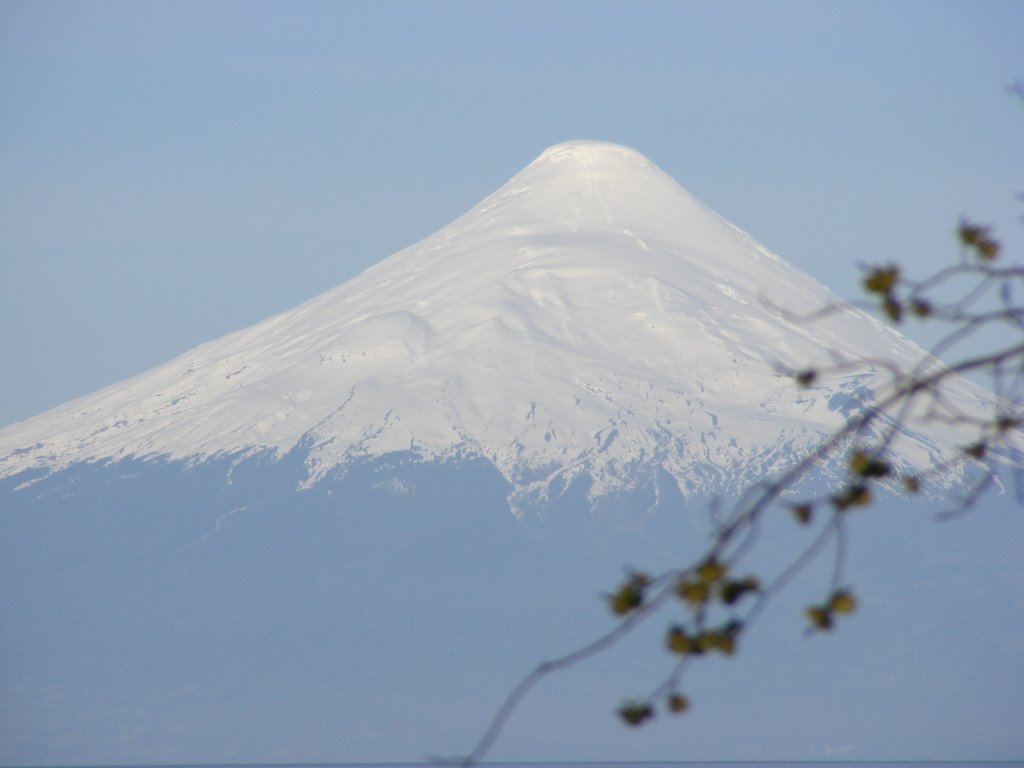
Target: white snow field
(589, 317)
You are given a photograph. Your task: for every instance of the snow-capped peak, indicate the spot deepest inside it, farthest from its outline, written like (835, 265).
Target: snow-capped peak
(590, 317)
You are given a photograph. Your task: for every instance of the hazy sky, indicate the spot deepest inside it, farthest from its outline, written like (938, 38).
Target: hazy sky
(173, 171)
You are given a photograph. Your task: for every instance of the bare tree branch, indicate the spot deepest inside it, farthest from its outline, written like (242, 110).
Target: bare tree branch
(985, 313)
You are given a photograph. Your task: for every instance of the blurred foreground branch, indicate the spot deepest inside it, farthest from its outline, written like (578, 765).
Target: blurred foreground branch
(979, 299)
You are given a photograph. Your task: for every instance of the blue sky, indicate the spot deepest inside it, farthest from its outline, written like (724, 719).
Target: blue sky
(173, 171)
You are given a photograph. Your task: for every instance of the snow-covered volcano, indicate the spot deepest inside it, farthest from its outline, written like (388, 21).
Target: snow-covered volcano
(590, 318)
(293, 544)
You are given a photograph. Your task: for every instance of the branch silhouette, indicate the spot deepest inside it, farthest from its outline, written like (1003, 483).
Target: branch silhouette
(981, 302)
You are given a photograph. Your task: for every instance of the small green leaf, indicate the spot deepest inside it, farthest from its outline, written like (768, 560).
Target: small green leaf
(868, 465)
(678, 641)
(630, 594)
(971, 234)
(892, 308)
(806, 378)
(842, 602)
(975, 451)
(988, 249)
(921, 308)
(802, 512)
(820, 617)
(711, 570)
(857, 495)
(732, 591)
(678, 703)
(1006, 423)
(882, 279)
(696, 593)
(860, 496)
(706, 641)
(722, 641)
(635, 713)
(977, 238)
